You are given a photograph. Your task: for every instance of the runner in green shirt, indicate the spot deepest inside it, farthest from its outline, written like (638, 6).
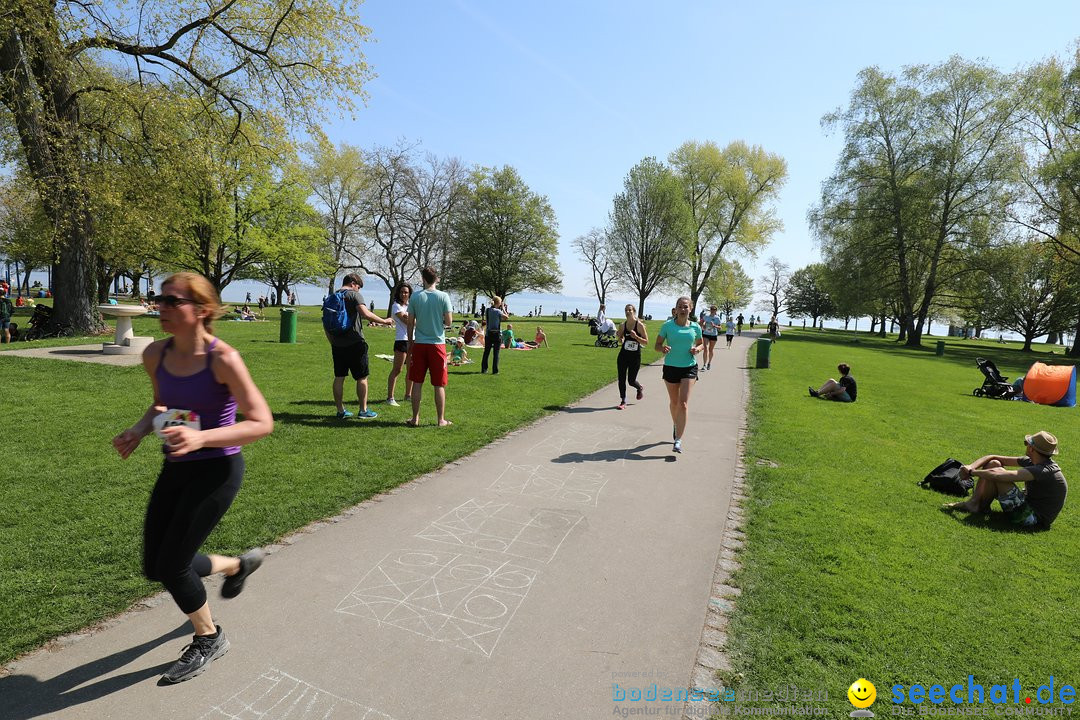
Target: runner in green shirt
(680, 341)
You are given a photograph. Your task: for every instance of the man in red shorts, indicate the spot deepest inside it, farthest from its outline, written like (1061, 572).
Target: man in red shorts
(429, 316)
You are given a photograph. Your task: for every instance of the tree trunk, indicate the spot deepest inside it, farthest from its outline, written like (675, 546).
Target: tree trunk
(1027, 343)
(1052, 338)
(1075, 350)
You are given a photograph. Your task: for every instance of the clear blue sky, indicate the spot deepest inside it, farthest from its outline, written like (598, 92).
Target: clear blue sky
(573, 94)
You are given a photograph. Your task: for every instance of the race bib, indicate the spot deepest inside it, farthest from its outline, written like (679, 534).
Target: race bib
(176, 418)
(631, 345)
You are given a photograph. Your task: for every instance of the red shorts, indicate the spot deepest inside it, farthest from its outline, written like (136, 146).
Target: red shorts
(426, 356)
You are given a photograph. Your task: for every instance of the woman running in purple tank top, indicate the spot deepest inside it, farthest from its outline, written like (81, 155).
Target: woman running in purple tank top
(199, 383)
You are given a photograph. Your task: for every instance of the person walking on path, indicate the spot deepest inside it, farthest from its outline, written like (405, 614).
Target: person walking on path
(429, 316)
(198, 384)
(739, 323)
(399, 311)
(680, 342)
(494, 316)
(632, 335)
(349, 348)
(710, 332)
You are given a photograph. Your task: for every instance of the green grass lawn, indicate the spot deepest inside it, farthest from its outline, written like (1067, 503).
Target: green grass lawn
(71, 511)
(851, 570)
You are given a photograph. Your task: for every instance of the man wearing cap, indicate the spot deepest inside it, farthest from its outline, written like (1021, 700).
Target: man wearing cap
(1045, 487)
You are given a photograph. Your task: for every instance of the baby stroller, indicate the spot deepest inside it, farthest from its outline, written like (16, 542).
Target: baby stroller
(603, 339)
(995, 386)
(38, 321)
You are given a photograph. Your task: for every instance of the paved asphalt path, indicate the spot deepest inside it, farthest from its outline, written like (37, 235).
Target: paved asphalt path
(527, 580)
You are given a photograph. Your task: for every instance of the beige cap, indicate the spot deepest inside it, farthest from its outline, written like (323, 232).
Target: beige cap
(1043, 442)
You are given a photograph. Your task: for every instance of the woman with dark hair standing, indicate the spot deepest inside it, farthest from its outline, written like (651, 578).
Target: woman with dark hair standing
(632, 335)
(680, 341)
(199, 383)
(399, 310)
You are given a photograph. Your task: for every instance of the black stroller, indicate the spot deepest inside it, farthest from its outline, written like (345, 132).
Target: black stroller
(41, 317)
(995, 386)
(605, 339)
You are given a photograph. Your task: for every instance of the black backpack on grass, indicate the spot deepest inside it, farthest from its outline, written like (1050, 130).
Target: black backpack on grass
(945, 478)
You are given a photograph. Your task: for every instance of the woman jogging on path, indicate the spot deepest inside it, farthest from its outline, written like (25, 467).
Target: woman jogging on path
(199, 383)
(399, 310)
(680, 341)
(632, 335)
(710, 332)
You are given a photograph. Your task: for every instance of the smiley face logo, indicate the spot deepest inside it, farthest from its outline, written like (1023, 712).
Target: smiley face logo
(862, 693)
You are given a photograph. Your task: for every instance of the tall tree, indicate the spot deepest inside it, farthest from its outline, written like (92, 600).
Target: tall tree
(651, 229)
(593, 248)
(729, 192)
(930, 159)
(773, 286)
(294, 240)
(729, 287)
(1034, 292)
(243, 55)
(808, 295)
(339, 182)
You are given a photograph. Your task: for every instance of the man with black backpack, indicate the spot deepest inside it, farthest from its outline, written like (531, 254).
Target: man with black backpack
(344, 313)
(1044, 485)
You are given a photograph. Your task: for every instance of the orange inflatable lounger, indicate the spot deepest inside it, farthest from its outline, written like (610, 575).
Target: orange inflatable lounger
(1051, 384)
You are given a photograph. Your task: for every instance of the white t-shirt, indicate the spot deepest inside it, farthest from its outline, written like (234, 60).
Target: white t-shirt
(401, 328)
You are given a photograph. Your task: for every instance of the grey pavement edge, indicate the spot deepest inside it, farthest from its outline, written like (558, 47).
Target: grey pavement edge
(537, 577)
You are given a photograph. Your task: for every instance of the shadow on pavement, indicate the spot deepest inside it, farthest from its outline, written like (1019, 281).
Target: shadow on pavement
(28, 697)
(612, 455)
(575, 410)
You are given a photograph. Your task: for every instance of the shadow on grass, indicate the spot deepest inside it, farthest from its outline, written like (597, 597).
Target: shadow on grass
(614, 455)
(29, 697)
(992, 521)
(331, 421)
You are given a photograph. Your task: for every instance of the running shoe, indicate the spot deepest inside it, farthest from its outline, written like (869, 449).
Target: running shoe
(249, 563)
(677, 447)
(367, 414)
(344, 414)
(392, 402)
(640, 393)
(203, 650)
(621, 406)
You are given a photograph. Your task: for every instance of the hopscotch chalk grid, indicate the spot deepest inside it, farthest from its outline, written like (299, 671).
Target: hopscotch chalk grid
(442, 596)
(275, 695)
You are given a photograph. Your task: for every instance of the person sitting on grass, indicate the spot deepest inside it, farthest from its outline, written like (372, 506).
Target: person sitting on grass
(843, 390)
(458, 355)
(541, 338)
(508, 336)
(1044, 484)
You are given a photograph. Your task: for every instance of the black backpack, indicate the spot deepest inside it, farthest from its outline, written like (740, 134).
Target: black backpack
(945, 478)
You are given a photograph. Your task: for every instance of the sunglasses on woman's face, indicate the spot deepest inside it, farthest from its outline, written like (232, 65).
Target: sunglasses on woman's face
(175, 301)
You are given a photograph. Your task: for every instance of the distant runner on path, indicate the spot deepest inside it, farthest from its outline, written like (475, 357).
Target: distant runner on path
(199, 383)
(632, 335)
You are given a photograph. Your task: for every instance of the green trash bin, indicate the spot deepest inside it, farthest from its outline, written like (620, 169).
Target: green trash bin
(288, 325)
(764, 346)
(940, 348)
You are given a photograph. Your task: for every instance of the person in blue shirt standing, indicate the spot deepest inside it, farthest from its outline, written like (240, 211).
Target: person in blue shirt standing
(680, 342)
(429, 316)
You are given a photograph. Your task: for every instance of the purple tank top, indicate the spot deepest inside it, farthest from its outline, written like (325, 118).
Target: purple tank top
(202, 394)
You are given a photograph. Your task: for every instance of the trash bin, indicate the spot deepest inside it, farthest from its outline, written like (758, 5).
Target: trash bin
(288, 325)
(940, 348)
(764, 345)
(564, 316)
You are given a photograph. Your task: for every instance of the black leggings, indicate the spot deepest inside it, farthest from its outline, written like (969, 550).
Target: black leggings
(492, 339)
(629, 363)
(188, 501)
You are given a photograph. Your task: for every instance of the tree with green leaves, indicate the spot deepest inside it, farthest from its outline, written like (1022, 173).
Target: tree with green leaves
(294, 240)
(248, 57)
(650, 230)
(504, 237)
(930, 161)
(339, 181)
(807, 294)
(772, 285)
(729, 192)
(1033, 291)
(729, 287)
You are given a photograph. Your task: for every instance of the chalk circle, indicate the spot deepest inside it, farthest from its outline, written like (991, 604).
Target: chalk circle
(419, 559)
(470, 573)
(490, 544)
(577, 496)
(512, 579)
(549, 519)
(485, 607)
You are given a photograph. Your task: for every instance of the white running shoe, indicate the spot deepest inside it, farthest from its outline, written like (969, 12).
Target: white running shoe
(678, 446)
(392, 402)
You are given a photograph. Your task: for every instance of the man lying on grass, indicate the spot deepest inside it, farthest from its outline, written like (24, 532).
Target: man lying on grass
(1045, 486)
